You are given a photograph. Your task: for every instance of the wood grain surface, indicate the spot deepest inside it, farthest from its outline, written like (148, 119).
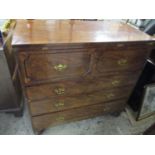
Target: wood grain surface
(74, 31)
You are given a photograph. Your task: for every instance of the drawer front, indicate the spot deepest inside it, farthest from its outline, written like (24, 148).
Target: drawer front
(40, 67)
(44, 121)
(120, 61)
(61, 103)
(70, 88)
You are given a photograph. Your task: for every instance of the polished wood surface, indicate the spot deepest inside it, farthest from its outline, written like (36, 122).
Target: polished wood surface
(75, 69)
(43, 66)
(120, 60)
(78, 86)
(59, 64)
(65, 103)
(74, 31)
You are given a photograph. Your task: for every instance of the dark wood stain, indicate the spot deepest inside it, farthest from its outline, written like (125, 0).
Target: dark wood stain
(79, 86)
(64, 103)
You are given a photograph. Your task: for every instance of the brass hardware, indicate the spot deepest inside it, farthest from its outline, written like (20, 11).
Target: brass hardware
(110, 95)
(115, 82)
(122, 62)
(59, 104)
(59, 91)
(60, 118)
(60, 67)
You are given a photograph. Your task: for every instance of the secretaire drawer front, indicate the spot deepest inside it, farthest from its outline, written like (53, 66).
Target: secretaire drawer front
(43, 121)
(70, 88)
(39, 67)
(120, 60)
(58, 104)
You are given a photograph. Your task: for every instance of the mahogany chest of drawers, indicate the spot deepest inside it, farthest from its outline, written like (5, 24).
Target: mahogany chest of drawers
(72, 70)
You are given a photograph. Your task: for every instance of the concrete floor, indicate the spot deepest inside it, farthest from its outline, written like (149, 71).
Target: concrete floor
(105, 125)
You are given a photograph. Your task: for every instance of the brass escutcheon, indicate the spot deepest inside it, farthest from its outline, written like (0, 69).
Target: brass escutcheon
(59, 91)
(115, 83)
(122, 62)
(59, 104)
(60, 118)
(60, 67)
(111, 95)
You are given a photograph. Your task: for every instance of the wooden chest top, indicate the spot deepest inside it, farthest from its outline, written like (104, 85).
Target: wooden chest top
(75, 31)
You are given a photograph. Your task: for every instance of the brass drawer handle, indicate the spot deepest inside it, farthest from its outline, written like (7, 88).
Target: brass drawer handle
(59, 91)
(122, 62)
(60, 67)
(61, 118)
(115, 83)
(59, 104)
(111, 95)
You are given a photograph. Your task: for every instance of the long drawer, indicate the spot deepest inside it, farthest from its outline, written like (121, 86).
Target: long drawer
(75, 87)
(43, 121)
(64, 103)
